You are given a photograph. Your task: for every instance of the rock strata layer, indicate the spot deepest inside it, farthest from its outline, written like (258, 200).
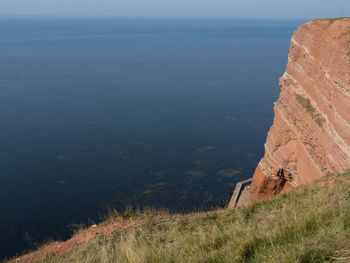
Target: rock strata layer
(310, 135)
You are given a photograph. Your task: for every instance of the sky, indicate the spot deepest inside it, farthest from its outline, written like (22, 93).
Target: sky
(212, 8)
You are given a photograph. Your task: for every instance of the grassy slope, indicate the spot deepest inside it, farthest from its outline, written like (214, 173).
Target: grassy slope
(309, 224)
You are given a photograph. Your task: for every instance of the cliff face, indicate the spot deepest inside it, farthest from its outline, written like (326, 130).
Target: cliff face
(310, 135)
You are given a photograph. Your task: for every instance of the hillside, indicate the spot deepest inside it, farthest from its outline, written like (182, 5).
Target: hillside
(308, 224)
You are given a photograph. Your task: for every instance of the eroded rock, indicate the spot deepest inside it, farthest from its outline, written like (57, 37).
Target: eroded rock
(310, 135)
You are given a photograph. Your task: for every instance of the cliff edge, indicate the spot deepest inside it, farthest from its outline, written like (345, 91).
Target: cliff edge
(310, 135)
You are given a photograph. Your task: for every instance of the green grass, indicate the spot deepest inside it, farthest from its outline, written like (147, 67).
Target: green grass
(306, 104)
(330, 20)
(308, 224)
(344, 34)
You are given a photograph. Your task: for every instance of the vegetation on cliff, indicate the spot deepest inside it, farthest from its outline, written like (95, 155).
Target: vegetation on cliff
(306, 104)
(308, 224)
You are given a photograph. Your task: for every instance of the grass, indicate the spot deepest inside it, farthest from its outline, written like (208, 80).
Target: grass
(306, 104)
(331, 20)
(344, 34)
(308, 224)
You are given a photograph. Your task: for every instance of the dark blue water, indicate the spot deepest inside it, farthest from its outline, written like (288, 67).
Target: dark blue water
(102, 113)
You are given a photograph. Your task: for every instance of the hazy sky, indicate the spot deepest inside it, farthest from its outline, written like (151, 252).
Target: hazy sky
(231, 8)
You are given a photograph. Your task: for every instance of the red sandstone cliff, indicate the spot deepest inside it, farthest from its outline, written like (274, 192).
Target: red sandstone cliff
(310, 135)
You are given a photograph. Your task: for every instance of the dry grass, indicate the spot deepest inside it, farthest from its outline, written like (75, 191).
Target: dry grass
(309, 224)
(330, 20)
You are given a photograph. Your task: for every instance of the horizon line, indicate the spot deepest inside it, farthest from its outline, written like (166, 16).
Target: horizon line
(150, 16)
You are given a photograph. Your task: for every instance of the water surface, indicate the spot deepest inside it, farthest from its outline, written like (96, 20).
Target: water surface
(101, 113)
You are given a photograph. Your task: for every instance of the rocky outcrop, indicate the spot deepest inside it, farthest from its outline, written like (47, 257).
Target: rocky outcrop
(310, 135)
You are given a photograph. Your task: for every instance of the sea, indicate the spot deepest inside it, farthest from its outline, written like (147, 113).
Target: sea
(104, 113)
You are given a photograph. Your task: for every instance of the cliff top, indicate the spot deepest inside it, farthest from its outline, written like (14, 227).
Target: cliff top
(331, 20)
(340, 25)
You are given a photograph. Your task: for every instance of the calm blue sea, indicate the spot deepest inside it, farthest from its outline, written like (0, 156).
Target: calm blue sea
(100, 113)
